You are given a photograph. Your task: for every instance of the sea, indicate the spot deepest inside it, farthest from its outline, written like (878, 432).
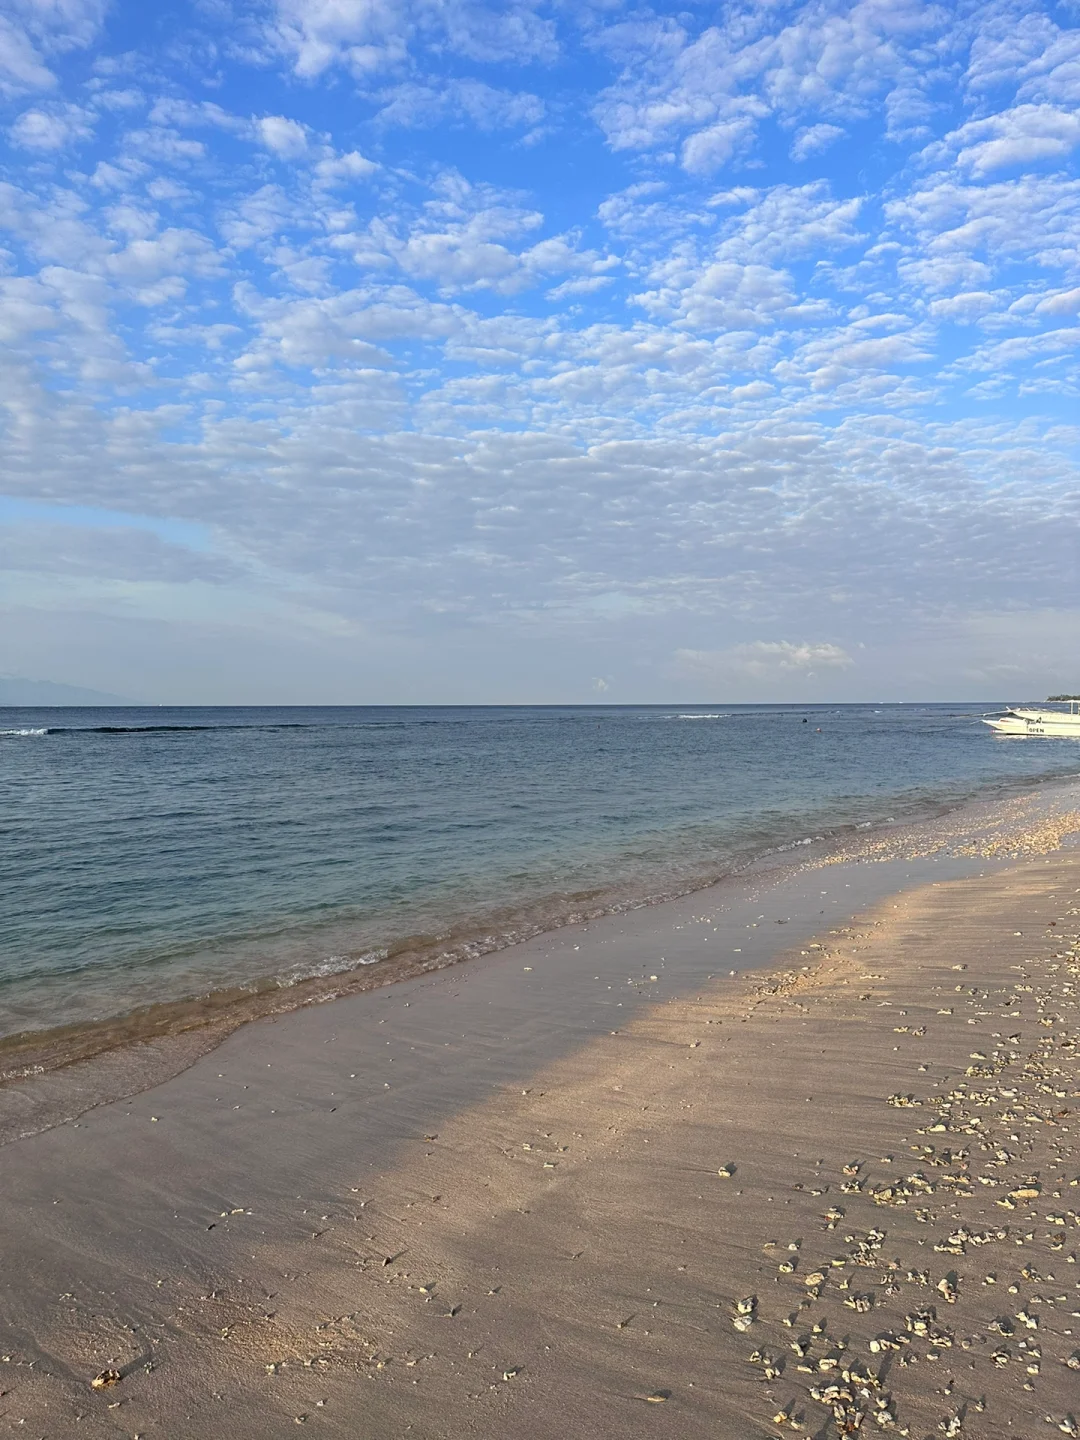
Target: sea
(149, 856)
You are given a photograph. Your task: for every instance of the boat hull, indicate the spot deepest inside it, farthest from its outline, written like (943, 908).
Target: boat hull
(1066, 727)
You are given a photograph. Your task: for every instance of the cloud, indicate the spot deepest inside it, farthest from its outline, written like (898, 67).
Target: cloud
(1023, 49)
(1064, 302)
(364, 35)
(165, 147)
(371, 36)
(156, 267)
(469, 238)
(109, 553)
(498, 33)
(711, 149)
(169, 110)
(340, 169)
(1054, 73)
(27, 307)
(793, 221)
(770, 661)
(259, 217)
(975, 228)
(287, 139)
(965, 308)
(21, 65)
(825, 62)
(32, 32)
(53, 128)
(1025, 135)
(722, 294)
(586, 286)
(319, 333)
(739, 283)
(813, 140)
(419, 106)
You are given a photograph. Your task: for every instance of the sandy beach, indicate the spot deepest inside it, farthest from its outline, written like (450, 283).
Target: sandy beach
(596, 1185)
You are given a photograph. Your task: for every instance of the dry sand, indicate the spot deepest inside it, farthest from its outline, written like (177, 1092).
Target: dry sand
(840, 1195)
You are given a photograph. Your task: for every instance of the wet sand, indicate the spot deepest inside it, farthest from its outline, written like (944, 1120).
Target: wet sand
(596, 1185)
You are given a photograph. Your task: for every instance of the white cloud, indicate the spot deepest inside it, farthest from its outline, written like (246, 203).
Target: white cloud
(259, 217)
(1054, 74)
(791, 221)
(965, 308)
(365, 35)
(156, 267)
(1034, 217)
(314, 333)
(723, 294)
(709, 150)
(175, 111)
(474, 238)
(506, 31)
(111, 553)
(340, 169)
(1063, 302)
(285, 138)
(760, 660)
(34, 31)
(165, 146)
(1024, 135)
(813, 139)
(842, 60)
(21, 65)
(416, 105)
(26, 308)
(834, 61)
(585, 286)
(735, 282)
(370, 36)
(52, 128)
(873, 345)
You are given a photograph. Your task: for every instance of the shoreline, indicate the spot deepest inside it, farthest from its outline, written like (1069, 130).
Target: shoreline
(51, 1075)
(489, 1200)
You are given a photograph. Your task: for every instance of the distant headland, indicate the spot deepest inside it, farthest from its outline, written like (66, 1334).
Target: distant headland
(16, 690)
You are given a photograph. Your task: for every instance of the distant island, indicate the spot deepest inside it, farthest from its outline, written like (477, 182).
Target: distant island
(1051, 698)
(16, 690)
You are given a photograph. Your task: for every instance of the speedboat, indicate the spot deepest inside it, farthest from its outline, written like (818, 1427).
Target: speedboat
(1027, 720)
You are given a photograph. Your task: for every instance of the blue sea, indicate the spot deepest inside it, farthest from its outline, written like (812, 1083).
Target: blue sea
(148, 856)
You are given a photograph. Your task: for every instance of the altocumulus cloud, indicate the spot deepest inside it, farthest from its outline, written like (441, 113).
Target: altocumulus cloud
(491, 348)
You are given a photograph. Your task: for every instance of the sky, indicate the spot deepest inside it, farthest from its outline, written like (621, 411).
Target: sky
(359, 351)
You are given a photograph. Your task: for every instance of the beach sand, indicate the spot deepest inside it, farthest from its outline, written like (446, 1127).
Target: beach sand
(596, 1185)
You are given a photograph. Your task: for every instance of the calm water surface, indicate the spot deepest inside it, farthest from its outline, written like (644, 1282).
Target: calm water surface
(151, 854)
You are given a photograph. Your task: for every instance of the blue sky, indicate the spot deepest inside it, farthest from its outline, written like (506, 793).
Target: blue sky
(360, 350)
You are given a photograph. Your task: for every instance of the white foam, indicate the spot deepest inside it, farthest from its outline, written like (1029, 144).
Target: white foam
(332, 965)
(42, 731)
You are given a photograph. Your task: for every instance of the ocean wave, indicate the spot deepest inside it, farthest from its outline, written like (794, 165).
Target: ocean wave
(696, 716)
(166, 729)
(27, 731)
(333, 965)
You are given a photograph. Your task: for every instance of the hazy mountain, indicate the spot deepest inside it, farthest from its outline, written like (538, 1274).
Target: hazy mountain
(14, 690)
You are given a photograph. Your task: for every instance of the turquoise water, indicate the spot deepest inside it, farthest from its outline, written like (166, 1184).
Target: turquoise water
(148, 855)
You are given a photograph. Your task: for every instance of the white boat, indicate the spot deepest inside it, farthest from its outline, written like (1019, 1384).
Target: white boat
(1028, 720)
